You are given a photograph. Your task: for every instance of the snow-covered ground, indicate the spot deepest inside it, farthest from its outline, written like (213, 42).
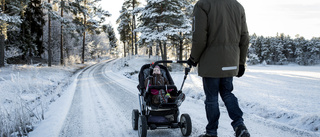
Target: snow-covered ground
(26, 91)
(280, 101)
(286, 97)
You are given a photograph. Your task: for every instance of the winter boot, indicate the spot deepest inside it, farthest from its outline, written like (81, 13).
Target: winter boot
(207, 135)
(241, 131)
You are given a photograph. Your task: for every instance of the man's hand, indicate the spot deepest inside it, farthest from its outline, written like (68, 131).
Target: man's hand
(241, 71)
(191, 63)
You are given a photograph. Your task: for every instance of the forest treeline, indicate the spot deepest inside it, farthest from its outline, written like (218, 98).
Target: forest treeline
(57, 31)
(282, 50)
(72, 31)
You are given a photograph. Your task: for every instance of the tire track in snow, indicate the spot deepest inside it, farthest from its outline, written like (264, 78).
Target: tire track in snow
(94, 111)
(110, 100)
(74, 125)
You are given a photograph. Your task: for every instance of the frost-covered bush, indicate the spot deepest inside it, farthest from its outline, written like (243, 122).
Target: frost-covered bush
(75, 59)
(26, 94)
(15, 119)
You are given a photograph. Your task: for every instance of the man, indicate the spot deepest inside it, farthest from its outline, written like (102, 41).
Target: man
(219, 48)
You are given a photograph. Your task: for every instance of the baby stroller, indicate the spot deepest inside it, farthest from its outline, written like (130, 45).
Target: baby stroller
(163, 115)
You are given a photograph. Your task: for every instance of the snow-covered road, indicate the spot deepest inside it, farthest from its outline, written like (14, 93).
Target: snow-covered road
(99, 106)
(102, 102)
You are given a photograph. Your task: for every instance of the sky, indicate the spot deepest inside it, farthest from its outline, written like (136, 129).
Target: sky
(264, 17)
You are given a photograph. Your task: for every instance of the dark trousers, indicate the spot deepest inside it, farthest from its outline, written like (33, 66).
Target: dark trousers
(224, 86)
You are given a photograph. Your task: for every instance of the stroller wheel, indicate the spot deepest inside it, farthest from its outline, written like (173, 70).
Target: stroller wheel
(185, 124)
(142, 126)
(135, 117)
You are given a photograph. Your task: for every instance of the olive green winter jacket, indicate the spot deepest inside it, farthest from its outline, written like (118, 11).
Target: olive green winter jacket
(220, 37)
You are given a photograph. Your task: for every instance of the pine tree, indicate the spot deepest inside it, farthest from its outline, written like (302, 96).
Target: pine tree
(61, 35)
(266, 50)
(315, 49)
(2, 51)
(131, 6)
(149, 18)
(161, 20)
(9, 21)
(300, 49)
(69, 15)
(112, 36)
(280, 58)
(287, 47)
(256, 47)
(124, 27)
(89, 18)
(253, 50)
(276, 47)
(31, 30)
(312, 53)
(185, 35)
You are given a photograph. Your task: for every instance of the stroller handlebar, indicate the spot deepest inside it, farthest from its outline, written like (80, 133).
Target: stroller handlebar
(187, 70)
(167, 61)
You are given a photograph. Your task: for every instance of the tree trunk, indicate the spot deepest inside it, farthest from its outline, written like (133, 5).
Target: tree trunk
(180, 47)
(157, 50)
(83, 46)
(49, 39)
(161, 51)
(132, 53)
(164, 51)
(134, 27)
(84, 34)
(150, 51)
(124, 49)
(132, 39)
(61, 47)
(1, 49)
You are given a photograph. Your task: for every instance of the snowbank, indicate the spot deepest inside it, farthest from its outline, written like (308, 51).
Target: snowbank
(25, 93)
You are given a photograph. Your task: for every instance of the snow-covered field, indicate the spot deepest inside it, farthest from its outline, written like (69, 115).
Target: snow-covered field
(277, 100)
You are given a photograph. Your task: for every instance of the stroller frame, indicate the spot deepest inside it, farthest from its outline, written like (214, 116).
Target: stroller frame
(141, 120)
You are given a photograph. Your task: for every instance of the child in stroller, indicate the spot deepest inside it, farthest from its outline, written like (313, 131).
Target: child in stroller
(155, 83)
(158, 96)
